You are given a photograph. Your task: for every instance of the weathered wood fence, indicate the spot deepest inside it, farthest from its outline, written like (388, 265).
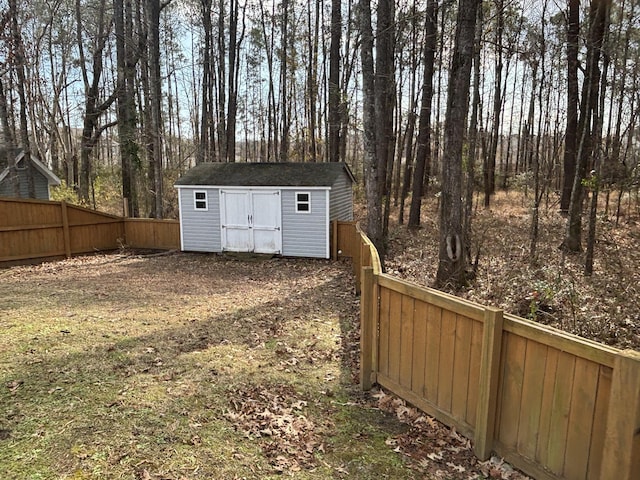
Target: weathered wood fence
(555, 405)
(32, 230)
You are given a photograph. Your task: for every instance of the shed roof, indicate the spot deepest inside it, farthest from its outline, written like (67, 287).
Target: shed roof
(52, 178)
(265, 174)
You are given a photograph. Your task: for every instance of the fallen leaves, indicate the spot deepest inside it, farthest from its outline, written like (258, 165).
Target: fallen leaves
(554, 291)
(275, 416)
(437, 450)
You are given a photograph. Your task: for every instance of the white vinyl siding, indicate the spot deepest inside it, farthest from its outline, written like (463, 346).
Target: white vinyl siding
(200, 228)
(305, 235)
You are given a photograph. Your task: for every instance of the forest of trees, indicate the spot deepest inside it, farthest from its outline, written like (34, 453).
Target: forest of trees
(419, 97)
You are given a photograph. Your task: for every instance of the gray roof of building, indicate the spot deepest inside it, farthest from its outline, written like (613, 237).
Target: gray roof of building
(265, 174)
(51, 177)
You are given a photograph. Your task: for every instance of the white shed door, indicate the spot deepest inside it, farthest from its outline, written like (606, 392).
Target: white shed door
(251, 221)
(265, 221)
(235, 216)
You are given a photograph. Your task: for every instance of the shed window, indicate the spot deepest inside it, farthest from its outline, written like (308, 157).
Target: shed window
(303, 202)
(200, 201)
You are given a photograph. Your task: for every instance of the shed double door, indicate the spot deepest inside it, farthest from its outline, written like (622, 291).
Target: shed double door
(251, 221)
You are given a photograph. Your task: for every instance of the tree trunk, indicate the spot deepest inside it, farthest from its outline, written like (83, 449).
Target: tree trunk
(598, 15)
(423, 149)
(490, 171)
(473, 136)
(334, 82)
(384, 101)
(206, 148)
(19, 67)
(452, 260)
(284, 72)
(155, 97)
(371, 164)
(571, 132)
(126, 61)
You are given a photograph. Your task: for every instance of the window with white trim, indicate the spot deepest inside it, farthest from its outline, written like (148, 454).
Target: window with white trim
(303, 202)
(200, 200)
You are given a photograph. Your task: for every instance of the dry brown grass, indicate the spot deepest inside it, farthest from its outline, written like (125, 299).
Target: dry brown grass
(185, 366)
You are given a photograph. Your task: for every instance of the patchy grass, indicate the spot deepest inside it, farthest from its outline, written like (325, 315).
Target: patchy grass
(183, 367)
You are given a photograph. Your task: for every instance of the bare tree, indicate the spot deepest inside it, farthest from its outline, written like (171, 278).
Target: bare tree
(423, 152)
(335, 94)
(19, 67)
(155, 99)
(571, 132)
(598, 23)
(452, 259)
(490, 164)
(126, 58)
(371, 164)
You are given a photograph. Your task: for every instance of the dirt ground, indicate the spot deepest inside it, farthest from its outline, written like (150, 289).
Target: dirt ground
(553, 289)
(184, 366)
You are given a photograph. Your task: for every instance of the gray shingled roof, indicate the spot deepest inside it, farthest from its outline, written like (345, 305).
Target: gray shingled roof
(264, 174)
(51, 177)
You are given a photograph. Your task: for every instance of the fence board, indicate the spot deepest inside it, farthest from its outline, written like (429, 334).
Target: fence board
(154, 234)
(581, 419)
(383, 319)
(546, 405)
(474, 373)
(514, 348)
(419, 348)
(560, 413)
(434, 327)
(532, 389)
(599, 423)
(395, 326)
(447, 351)
(461, 370)
(406, 341)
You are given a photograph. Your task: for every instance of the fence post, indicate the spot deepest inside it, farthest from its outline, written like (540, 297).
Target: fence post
(621, 454)
(65, 229)
(488, 382)
(357, 261)
(367, 326)
(334, 243)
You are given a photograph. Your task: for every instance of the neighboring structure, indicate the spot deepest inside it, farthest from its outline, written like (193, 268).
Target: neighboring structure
(275, 208)
(43, 178)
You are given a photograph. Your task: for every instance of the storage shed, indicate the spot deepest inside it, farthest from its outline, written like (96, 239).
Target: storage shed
(43, 178)
(274, 208)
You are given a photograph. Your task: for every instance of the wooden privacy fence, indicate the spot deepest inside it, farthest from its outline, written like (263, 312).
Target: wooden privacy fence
(555, 405)
(38, 230)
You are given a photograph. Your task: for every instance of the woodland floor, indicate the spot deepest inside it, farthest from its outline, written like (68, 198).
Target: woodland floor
(187, 366)
(553, 290)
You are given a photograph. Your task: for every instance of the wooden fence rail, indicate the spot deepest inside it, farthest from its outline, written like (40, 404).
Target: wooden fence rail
(555, 405)
(32, 230)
